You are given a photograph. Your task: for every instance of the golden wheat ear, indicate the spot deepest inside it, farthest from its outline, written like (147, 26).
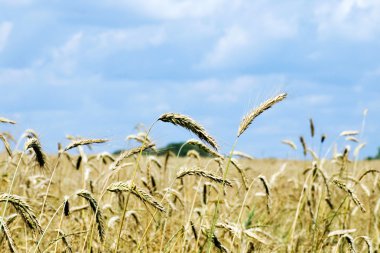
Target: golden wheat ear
(191, 125)
(24, 210)
(5, 120)
(129, 186)
(247, 120)
(8, 236)
(81, 142)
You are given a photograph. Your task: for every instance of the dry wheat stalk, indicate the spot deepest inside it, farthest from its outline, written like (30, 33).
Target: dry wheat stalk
(242, 155)
(24, 210)
(247, 120)
(341, 232)
(350, 242)
(191, 125)
(201, 173)
(95, 208)
(203, 147)
(5, 120)
(34, 144)
(8, 236)
(153, 159)
(290, 144)
(193, 153)
(259, 235)
(30, 133)
(368, 241)
(267, 191)
(141, 137)
(241, 172)
(368, 172)
(6, 144)
(349, 133)
(129, 186)
(65, 241)
(81, 142)
(8, 221)
(129, 153)
(312, 128)
(350, 193)
(230, 227)
(304, 147)
(352, 138)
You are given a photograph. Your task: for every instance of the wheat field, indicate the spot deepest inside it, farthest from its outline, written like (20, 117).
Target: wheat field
(138, 201)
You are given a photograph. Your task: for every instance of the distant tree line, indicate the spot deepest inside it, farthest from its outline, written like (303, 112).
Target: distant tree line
(172, 147)
(376, 157)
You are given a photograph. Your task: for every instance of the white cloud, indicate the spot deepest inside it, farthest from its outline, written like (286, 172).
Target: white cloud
(64, 58)
(132, 38)
(174, 9)
(352, 19)
(255, 27)
(5, 31)
(231, 43)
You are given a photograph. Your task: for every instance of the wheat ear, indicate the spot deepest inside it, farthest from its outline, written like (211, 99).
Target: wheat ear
(35, 145)
(247, 120)
(201, 173)
(5, 120)
(129, 186)
(95, 208)
(8, 236)
(24, 210)
(191, 125)
(351, 193)
(81, 142)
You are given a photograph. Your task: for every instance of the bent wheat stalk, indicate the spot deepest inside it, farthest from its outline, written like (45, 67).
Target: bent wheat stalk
(81, 142)
(129, 186)
(191, 125)
(205, 174)
(24, 210)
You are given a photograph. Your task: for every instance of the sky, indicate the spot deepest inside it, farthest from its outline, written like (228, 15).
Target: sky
(98, 68)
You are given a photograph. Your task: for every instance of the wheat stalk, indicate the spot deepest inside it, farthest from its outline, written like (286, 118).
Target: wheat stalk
(304, 147)
(130, 153)
(24, 210)
(5, 120)
(290, 144)
(349, 133)
(350, 192)
(201, 173)
(129, 186)
(95, 208)
(242, 155)
(267, 191)
(241, 172)
(312, 128)
(203, 147)
(191, 125)
(247, 120)
(81, 142)
(8, 236)
(6, 144)
(34, 144)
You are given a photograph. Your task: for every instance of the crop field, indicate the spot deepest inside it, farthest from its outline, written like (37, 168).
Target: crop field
(139, 201)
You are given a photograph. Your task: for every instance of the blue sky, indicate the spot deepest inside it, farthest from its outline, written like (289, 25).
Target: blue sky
(98, 68)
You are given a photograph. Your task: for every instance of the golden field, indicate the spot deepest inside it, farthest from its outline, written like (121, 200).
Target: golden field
(138, 201)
